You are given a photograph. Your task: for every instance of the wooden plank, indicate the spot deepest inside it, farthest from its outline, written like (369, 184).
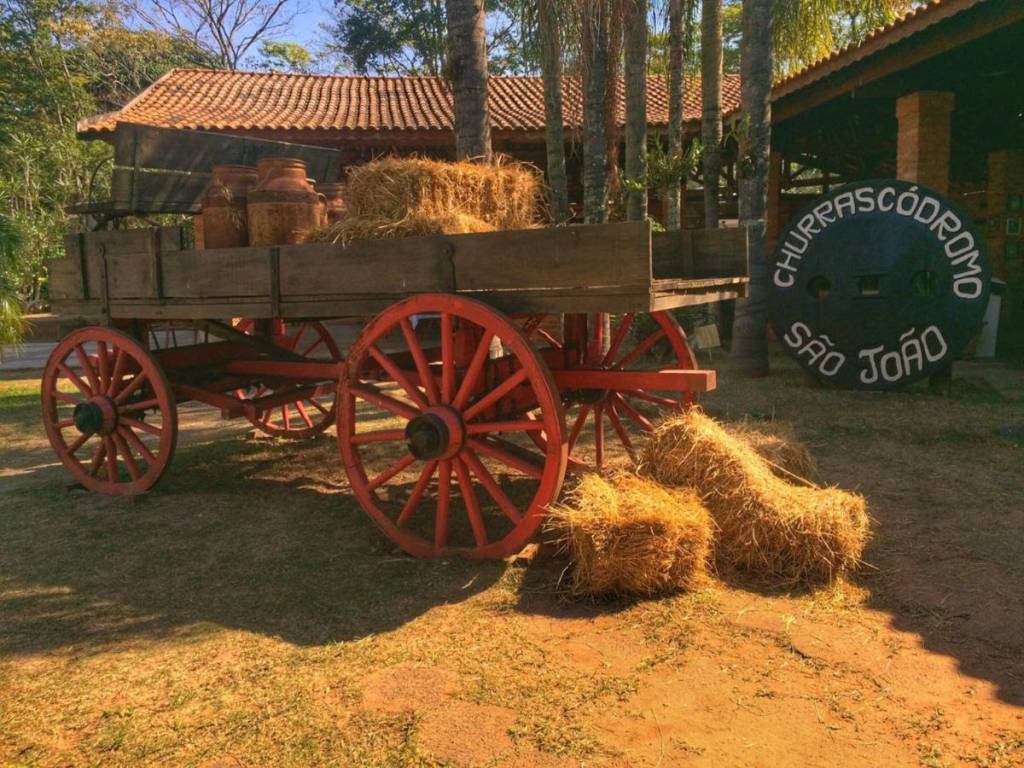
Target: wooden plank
(220, 273)
(398, 267)
(66, 278)
(596, 255)
(719, 252)
(142, 146)
(146, 191)
(699, 253)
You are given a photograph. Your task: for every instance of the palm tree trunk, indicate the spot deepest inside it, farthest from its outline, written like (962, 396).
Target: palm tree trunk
(468, 62)
(750, 344)
(711, 97)
(554, 135)
(595, 125)
(676, 33)
(635, 40)
(613, 97)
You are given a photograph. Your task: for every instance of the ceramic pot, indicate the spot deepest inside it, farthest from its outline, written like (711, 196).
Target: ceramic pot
(284, 205)
(225, 223)
(336, 207)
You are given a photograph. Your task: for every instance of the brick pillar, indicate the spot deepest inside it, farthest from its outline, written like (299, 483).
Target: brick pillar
(922, 153)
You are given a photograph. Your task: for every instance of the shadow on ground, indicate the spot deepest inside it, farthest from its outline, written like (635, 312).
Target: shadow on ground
(214, 545)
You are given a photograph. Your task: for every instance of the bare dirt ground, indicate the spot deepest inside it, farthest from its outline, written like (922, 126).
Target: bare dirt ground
(247, 613)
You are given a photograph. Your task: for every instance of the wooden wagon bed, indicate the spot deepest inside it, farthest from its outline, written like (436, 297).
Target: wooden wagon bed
(150, 274)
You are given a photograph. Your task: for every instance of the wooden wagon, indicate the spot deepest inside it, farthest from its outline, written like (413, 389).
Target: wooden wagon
(462, 402)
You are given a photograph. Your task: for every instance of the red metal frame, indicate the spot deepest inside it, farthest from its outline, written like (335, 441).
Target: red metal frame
(492, 390)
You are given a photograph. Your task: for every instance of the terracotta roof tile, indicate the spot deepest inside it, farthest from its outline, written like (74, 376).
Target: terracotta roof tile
(226, 100)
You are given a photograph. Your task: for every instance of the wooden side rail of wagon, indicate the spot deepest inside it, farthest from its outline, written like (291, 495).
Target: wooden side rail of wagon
(493, 363)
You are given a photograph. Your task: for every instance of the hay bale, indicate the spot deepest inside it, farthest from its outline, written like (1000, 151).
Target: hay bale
(627, 535)
(766, 526)
(398, 197)
(776, 443)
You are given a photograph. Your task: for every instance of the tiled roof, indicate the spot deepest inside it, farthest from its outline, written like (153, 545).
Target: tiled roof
(226, 100)
(909, 24)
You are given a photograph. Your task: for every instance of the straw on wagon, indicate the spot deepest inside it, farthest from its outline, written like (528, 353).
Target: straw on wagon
(777, 444)
(766, 526)
(397, 197)
(627, 535)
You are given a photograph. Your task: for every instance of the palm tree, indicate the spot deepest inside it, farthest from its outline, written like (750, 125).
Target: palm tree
(12, 323)
(748, 337)
(711, 100)
(554, 135)
(635, 40)
(594, 18)
(468, 63)
(676, 35)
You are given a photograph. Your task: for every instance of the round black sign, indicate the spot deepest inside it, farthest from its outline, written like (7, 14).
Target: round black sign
(878, 283)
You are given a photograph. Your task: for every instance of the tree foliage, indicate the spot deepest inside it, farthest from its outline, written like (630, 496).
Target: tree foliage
(60, 61)
(409, 37)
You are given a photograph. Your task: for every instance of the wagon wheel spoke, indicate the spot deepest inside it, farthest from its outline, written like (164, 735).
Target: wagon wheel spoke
(126, 454)
(508, 454)
(97, 458)
(386, 402)
(144, 426)
(650, 397)
(413, 502)
(491, 485)
(620, 335)
(90, 373)
(420, 359)
(303, 414)
(112, 473)
(638, 418)
(522, 425)
(78, 443)
(444, 489)
(399, 376)
(104, 366)
(620, 430)
(118, 372)
(599, 437)
(133, 386)
(476, 520)
(380, 436)
(142, 405)
(64, 397)
(473, 371)
(391, 471)
(496, 394)
(139, 446)
(640, 349)
(577, 427)
(75, 379)
(447, 360)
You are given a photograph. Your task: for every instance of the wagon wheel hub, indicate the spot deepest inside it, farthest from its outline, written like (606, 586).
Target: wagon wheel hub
(98, 415)
(436, 434)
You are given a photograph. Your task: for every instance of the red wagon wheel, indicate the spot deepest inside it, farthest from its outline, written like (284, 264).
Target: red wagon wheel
(452, 421)
(636, 342)
(108, 411)
(304, 418)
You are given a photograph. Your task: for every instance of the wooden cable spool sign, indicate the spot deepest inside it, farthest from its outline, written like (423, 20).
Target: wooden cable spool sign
(878, 284)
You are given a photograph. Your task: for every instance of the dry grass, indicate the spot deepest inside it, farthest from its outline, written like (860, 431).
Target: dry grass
(777, 444)
(398, 197)
(767, 526)
(626, 535)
